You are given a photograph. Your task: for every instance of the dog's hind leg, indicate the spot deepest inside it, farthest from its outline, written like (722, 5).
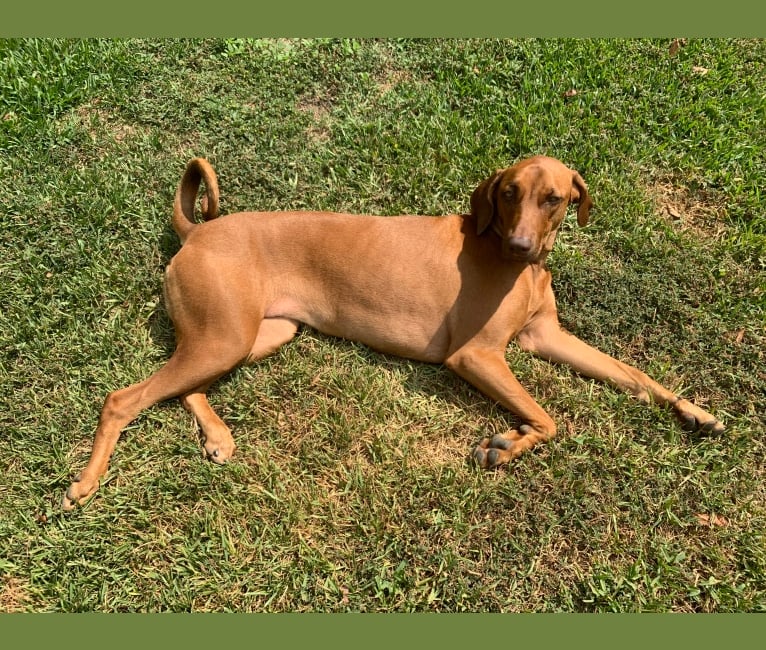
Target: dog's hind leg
(216, 436)
(187, 370)
(272, 334)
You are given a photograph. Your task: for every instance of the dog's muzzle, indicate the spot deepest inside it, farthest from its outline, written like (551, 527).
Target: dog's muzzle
(519, 249)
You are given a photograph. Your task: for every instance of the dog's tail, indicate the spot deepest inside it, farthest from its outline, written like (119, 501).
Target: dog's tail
(197, 170)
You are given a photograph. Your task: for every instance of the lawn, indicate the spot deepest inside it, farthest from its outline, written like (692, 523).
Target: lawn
(352, 488)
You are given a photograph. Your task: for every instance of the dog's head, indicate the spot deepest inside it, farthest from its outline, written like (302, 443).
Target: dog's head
(526, 203)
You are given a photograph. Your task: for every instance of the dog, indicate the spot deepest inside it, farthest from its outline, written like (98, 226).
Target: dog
(453, 290)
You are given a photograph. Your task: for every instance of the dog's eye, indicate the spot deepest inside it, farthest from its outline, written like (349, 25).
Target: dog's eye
(553, 200)
(509, 192)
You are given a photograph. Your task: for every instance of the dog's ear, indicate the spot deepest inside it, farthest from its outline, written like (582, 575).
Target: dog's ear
(483, 201)
(582, 198)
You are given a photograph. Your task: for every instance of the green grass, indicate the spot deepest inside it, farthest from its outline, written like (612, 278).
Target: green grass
(351, 489)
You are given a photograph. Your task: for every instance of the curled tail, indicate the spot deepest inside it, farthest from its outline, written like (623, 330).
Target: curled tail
(197, 170)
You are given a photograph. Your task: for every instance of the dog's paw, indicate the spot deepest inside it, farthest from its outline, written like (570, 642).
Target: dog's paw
(693, 418)
(219, 448)
(79, 492)
(498, 450)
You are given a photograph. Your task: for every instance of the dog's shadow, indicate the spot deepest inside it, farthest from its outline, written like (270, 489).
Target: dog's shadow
(429, 381)
(160, 325)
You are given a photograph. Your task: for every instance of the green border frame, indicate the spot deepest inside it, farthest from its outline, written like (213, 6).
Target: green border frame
(302, 18)
(340, 631)
(402, 18)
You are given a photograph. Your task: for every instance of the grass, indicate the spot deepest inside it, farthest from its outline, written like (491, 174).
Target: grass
(351, 489)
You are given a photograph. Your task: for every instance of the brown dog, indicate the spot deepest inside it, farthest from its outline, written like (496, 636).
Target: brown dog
(452, 290)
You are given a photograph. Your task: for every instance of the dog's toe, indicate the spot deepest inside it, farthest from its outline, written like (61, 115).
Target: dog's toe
(688, 422)
(68, 503)
(499, 441)
(479, 456)
(493, 458)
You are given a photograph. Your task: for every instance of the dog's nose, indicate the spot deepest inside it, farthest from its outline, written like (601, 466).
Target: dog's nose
(519, 244)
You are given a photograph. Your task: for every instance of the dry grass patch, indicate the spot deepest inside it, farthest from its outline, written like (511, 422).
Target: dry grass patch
(318, 111)
(391, 78)
(695, 213)
(100, 121)
(13, 595)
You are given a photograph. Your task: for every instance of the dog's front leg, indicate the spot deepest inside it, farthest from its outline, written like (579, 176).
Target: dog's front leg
(487, 370)
(548, 340)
